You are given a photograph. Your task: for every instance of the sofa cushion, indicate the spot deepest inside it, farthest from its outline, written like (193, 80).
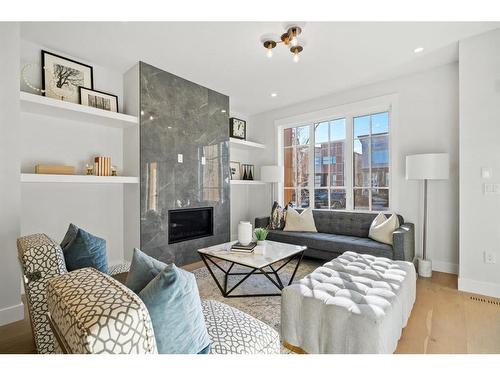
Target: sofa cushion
(382, 228)
(333, 242)
(93, 313)
(143, 269)
(303, 221)
(278, 214)
(174, 305)
(82, 249)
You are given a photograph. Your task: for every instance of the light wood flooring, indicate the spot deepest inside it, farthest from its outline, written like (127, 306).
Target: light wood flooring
(443, 320)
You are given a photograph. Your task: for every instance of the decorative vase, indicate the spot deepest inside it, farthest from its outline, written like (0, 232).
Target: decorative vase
(424, 267)
(244, 232)
(261, 243)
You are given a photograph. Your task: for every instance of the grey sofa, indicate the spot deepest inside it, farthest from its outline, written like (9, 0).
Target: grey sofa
(340, 231)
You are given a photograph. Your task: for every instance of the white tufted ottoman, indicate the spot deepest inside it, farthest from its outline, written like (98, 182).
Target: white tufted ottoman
(356, 303)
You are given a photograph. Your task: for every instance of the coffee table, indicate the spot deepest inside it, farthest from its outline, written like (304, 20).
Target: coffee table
(256, 264)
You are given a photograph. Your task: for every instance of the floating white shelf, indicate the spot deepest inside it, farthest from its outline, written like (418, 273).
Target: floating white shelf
(247, 182)
(56, 108)
(78, 179)
(240, 143)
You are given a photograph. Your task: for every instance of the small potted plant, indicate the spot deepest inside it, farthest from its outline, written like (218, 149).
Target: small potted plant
(261, 235)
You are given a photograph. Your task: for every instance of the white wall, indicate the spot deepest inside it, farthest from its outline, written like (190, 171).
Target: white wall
(11, 308)
(105, 79)
(479, 147)
(427, 121)
(49, 208)
(243, 196)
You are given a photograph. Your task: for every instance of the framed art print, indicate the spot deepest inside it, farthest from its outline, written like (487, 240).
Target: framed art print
(62, 77)
(98, 99)
(235, 170)
(237, 128)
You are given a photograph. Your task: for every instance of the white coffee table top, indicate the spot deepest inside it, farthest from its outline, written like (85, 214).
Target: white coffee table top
(274, 252)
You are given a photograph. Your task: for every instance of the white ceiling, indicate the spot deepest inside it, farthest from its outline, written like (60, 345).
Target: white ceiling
(228, 56)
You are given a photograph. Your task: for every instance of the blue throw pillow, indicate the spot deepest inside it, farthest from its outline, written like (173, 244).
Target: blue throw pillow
(143, 269)
(174, 305)
(82, 249)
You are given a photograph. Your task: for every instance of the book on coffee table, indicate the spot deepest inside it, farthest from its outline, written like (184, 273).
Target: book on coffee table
(238, 247)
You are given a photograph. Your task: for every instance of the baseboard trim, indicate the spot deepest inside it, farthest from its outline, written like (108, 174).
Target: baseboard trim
(11, 314)
(479, 287)
(445, 267)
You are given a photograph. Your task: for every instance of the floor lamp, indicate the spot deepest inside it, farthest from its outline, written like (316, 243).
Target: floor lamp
(272, 174)
(426, 167)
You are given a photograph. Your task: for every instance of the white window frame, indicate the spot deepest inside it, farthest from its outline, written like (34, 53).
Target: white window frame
(386, 103)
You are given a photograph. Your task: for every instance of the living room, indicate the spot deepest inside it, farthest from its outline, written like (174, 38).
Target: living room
(250, 187)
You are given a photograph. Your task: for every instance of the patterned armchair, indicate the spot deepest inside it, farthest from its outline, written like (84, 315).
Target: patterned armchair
(86, 311)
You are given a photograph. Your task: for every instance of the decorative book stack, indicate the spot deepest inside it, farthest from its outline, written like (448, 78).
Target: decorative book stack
(102, 166)
(239, 248)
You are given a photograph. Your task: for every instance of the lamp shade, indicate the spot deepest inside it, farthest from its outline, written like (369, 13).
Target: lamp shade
(428, 167)
(271, 173)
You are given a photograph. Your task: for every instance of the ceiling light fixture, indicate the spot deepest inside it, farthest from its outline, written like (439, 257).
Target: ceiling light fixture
(274, 95)
(418, 49)
(289, 39)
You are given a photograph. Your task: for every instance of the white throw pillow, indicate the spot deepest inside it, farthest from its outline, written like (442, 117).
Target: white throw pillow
(382, 228)
(303, 222)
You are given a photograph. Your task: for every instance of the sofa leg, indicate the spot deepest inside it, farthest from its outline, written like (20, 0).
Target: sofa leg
(293, 348)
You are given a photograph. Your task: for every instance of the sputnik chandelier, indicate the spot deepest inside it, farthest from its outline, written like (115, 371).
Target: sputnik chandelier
(289, 40)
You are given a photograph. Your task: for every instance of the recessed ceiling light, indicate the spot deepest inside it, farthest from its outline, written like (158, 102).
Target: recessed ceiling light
(223, 110)
(169, 127)
(274, 95)
(151, 118)
(418, 49)
(142, 113)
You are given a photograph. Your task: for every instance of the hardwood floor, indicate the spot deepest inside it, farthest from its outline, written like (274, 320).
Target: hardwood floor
(443, 320)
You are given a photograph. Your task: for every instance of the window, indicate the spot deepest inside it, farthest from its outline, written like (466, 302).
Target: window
(371, 162)
(296, 160)
(329, 156)
(343, 163)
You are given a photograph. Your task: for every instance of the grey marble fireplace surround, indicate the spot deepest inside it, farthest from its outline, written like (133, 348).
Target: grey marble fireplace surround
(179, 117)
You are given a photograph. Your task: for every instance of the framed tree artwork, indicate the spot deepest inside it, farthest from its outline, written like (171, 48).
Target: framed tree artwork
(235, 169)
(237, 128)
(98, 99)
(62, 77)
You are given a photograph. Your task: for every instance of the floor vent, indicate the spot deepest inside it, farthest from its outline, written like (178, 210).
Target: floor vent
(485, 300)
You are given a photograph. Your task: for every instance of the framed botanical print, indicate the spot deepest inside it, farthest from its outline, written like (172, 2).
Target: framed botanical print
(98, 99)
(237, 128)
(62, 77)
(235, 169)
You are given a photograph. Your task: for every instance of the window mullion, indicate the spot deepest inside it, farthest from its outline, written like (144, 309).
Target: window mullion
(370, 166)
(349, 163)
(310, 180)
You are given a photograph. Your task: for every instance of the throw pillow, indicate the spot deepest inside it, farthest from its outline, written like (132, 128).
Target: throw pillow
(382, 228)
(278, 214)
(143, 269)
(82, 249)
(174, 305)
(303, 222)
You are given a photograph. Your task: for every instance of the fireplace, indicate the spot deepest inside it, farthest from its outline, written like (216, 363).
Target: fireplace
(191, 223)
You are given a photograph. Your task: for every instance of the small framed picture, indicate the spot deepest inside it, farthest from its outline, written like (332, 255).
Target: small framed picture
(237, 128)
(61, 77)
(235, 169)
(98, 99)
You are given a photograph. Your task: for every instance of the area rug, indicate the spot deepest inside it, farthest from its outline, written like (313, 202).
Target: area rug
(266, 309)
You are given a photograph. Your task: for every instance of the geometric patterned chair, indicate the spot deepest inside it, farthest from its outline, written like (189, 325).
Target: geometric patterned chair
(41, 258)
(90, 312)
